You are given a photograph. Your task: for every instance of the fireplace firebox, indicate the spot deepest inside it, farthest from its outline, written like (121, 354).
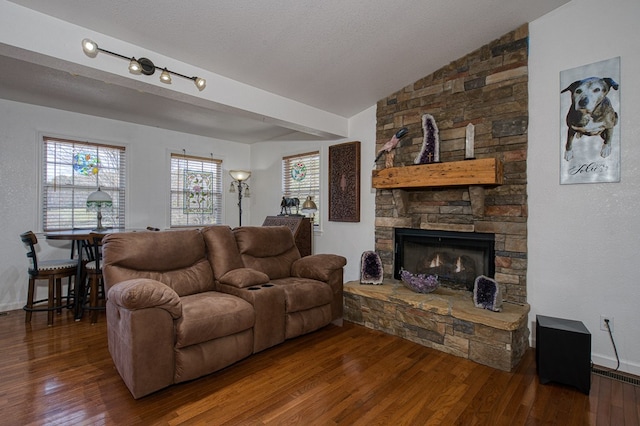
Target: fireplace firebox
(456, 257)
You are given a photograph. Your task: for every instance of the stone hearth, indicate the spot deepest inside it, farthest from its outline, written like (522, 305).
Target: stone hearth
(446, 320)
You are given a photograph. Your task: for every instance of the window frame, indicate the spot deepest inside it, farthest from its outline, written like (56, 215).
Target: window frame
(178, 193)
(80, 217)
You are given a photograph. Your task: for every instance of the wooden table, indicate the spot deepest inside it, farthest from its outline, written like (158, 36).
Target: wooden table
(79, 239)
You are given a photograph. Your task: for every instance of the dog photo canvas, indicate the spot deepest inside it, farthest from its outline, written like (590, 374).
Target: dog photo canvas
(590, 123)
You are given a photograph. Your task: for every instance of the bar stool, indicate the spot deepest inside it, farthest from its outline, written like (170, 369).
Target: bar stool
(94, 275)
(51, 270)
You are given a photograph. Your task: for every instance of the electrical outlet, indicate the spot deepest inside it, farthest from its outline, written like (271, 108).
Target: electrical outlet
(603, 324)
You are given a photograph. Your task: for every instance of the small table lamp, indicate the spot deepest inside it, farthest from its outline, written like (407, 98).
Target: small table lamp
(98, 201)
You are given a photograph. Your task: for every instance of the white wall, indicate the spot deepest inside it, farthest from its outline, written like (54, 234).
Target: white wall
(344, 238)
(148, 151)
(584, 240)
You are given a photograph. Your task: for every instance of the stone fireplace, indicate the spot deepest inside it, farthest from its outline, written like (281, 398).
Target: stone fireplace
(487, 88)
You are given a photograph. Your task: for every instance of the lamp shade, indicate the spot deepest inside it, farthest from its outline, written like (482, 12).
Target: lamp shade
(240, 175)
(309, 206)
(99, 200)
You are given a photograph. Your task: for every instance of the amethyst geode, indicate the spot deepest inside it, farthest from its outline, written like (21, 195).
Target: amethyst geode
(420, 283)
(371, 271)
(487, 294)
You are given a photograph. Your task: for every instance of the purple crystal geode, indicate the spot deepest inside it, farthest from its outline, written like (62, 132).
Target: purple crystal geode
(487, 294)
(420, 283)
(371, 271)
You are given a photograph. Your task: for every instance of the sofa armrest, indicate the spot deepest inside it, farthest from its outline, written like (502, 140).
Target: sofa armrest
(141, 314)
(317, 266)
(244, 277)
(141, 293)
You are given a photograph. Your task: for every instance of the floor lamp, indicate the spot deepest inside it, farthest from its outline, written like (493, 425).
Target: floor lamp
(239, 178)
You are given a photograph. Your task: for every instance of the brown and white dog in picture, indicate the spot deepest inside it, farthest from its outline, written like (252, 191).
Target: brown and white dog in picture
(591, 112)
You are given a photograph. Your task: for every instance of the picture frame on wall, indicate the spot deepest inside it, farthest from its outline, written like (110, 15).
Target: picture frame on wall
(344, 182)
(590, 123)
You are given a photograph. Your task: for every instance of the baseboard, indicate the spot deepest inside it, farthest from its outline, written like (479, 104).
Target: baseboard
(609, 363)
(11, 307)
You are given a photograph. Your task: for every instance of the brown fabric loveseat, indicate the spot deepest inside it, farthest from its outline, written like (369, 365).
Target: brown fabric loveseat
(183, 304)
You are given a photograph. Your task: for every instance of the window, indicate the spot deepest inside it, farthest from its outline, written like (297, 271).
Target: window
(196, 191)
(301, 177)
(71, 171)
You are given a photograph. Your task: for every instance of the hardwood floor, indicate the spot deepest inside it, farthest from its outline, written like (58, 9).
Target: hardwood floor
(338, 375)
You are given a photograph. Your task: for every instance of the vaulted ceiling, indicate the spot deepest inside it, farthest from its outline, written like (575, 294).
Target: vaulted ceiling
(337, 56)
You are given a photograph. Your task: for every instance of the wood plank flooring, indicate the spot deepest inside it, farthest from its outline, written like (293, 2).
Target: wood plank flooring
(346, 375)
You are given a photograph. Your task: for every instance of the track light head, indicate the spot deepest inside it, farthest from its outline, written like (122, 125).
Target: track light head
(90, 48)
(135, 67)
(165, 77)
(200, 83)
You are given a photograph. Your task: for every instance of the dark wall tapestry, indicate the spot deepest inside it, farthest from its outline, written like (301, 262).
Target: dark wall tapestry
(344, 182)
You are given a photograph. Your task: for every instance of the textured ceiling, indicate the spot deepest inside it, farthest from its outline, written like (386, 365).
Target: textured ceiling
(340, 56)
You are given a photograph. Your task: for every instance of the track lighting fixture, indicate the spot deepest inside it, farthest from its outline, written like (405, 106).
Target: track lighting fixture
(141, 65)
(135, 67)
(165, 77)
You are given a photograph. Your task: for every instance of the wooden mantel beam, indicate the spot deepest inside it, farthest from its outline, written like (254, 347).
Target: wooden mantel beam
(483, 171)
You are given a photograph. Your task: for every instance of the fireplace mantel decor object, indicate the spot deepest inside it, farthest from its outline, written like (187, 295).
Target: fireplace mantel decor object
(420, 283)
(430, 152)
(371, 271)
(487, 294)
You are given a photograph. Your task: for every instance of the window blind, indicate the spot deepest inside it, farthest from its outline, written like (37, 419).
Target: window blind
(301, 177)
(196, 191)
(71, 171)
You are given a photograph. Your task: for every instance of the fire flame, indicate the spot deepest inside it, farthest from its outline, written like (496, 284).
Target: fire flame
(459, 267)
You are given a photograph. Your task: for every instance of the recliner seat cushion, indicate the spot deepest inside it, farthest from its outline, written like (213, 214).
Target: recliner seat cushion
(304, 293)
(211, 315)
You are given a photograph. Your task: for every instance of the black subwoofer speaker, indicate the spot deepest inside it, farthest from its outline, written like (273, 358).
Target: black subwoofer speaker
(563, 352)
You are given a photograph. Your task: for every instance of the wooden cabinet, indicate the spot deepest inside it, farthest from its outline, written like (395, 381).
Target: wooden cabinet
(301, 227)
